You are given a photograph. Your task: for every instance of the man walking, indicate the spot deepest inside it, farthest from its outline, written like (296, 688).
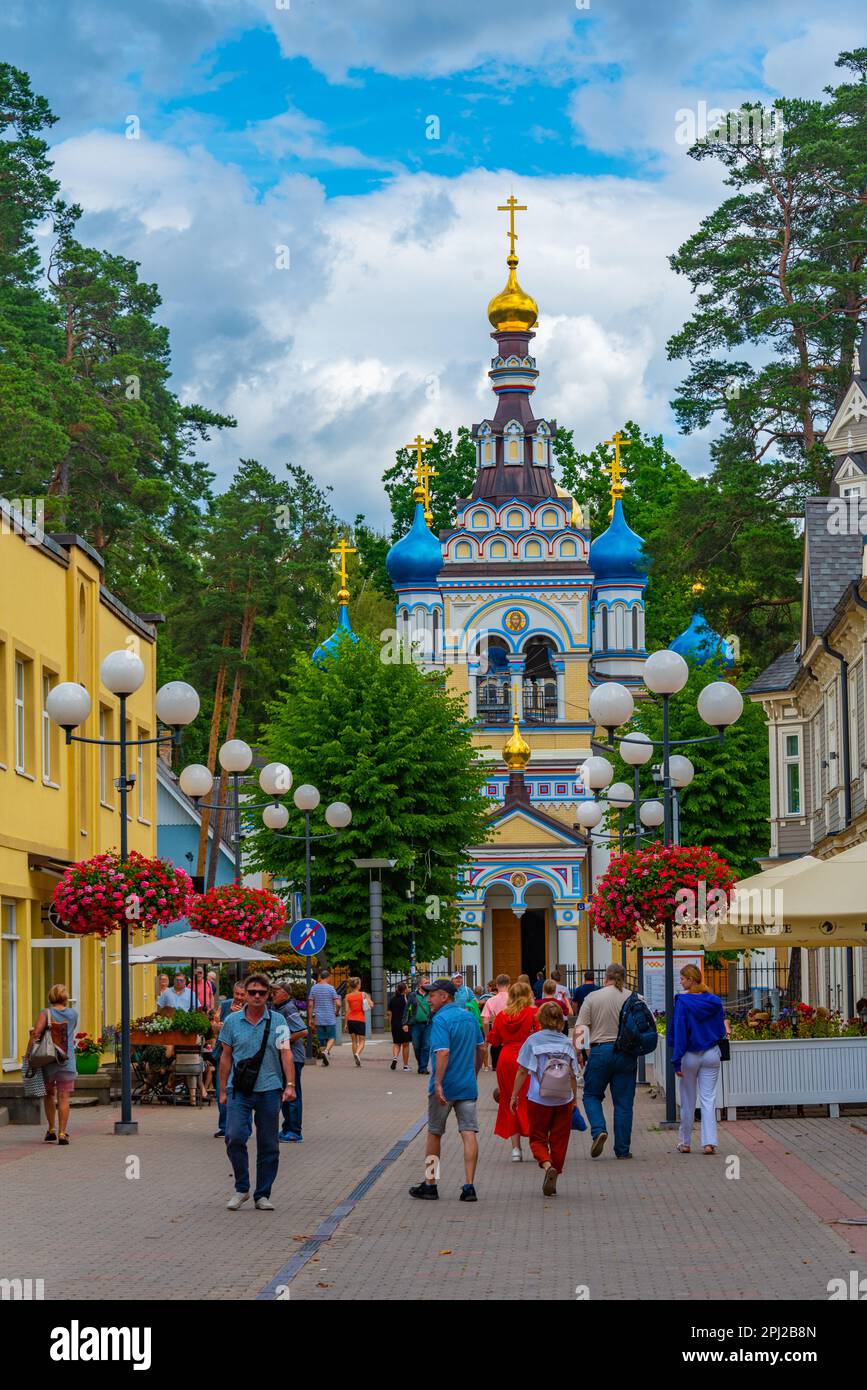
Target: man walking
(323, 1008)
(598, 1023)
(464, 996)
(255, 1041)
(494, 1005)
(417, 1022)
(581, 993)
(458, 1048)
(288, 1008)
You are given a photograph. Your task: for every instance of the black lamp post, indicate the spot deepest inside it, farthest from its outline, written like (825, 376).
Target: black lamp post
(177, 704)
(612, 705)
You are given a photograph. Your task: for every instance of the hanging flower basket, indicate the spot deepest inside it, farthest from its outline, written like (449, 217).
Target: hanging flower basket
(99, 895)
(246, 916)
(643, 889)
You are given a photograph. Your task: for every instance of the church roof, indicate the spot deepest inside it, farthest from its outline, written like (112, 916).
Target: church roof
(416, 559)
(343, 632)
(618, 554)
(698, 642)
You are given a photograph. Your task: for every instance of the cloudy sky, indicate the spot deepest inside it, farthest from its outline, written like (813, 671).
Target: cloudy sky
(325, 265)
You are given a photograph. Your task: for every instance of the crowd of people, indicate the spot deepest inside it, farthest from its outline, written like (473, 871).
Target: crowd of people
(544, 1045)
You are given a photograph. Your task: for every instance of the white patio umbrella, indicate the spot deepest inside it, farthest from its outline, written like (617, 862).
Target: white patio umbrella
(822, 902)
(193, 945)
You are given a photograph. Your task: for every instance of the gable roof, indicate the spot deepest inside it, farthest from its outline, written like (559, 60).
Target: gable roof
(780, 675)
(831, 562)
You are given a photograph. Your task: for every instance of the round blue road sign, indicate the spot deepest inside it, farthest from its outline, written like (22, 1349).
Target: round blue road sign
(307, 937)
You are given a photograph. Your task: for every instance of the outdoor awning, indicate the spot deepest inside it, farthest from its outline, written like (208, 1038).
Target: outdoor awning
(806, 902)
(193, 945)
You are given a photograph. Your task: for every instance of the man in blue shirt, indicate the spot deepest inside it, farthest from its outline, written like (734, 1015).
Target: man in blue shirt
(180, 996)
(580, 994)
(463, 994)
(458, 1048)
(241, 1038)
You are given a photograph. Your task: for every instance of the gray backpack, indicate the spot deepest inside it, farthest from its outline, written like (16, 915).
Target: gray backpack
(555, 1083)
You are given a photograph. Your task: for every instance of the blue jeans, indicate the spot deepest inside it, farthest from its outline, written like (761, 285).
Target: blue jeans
(607, 1068)
(420, 1034)
(292, 1108)
(264, 1107)
(221, 1107)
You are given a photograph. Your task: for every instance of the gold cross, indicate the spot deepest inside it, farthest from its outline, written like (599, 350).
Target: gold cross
(511, 207)
(423, 474)
(343, 549)
(615, 468)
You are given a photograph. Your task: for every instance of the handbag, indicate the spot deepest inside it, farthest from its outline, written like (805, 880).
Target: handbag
(725, 1050)
(45, 1052)
(246, 1072)
(33, 1082)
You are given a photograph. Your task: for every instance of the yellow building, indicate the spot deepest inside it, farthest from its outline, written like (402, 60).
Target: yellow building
(58, 804)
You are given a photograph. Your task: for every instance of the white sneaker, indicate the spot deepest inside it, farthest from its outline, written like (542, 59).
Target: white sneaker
(406, 1068)
(264, 1204)
(237, 1200)
(517, 1156)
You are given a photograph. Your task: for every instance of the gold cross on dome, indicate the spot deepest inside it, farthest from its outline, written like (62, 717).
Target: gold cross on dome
(342, 548)
(615, 467)
(511, 207)
(423, 474)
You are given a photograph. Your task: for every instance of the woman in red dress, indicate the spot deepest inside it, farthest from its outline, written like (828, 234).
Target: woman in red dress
(511, 1027)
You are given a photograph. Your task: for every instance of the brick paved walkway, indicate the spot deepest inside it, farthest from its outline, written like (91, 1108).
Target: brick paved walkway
(663, 1226)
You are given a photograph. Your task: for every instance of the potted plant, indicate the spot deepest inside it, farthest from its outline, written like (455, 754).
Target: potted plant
(177, 1029)
(234, 913)
(99, 895)
(645, 888)
(88, 1052)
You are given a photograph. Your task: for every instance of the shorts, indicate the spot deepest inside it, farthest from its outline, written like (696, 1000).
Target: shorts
(64, 1082)
(356, 1026)
(324, 1031)
(437, 1114)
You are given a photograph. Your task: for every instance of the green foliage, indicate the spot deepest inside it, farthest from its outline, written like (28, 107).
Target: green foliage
(393, 744)
(192, 1021)
(727, 805)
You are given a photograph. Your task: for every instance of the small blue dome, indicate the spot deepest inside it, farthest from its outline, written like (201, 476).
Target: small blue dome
(618, 554)
(699, 643)
(417, 558)
(331, 645)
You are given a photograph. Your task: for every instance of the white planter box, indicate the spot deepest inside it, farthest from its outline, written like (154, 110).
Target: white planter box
(787, 1071)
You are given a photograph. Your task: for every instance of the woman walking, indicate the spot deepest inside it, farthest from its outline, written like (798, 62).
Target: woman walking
(551, 1063)
(353, 1006)
(59, 1076)
(399, 1032)
(699, 1027)
(510, 1030)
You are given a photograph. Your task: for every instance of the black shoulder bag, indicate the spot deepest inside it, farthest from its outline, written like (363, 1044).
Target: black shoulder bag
(246, 1072)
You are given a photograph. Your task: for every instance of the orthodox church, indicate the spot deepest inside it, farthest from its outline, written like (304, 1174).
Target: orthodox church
(526, 611)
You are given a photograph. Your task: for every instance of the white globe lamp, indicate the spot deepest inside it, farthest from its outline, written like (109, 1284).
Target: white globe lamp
(720, 704)
(611, 704)
(338, 815)
(275, 817)
(636, 749)
(306, 798)
(177, 704)
(196, 781)
(122, 672)
(68, 704)
(665, 672)
(275, 779)
(235, 756)
(652, 814)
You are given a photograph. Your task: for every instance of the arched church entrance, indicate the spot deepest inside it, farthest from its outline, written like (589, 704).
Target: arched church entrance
(519, 945)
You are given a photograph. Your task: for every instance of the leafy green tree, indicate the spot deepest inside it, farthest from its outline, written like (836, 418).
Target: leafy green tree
(727, 805)
(395, 745)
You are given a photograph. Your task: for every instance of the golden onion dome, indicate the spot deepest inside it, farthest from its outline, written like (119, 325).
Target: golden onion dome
(516, 750)
(576, 520)
(513, 311)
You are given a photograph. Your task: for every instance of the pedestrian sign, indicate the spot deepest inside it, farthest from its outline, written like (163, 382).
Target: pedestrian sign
(307, 937)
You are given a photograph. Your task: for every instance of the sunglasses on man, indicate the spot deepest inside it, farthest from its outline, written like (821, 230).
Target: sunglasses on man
(258, 993)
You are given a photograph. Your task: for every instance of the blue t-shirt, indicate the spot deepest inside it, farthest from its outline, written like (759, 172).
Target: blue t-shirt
(245, 1039)
(581, 993)
(170, 999)
(326, 1003)
(455, 1030)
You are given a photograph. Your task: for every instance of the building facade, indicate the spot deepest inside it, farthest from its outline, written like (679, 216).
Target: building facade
(526, 613)
(58, 804)
(815, 694)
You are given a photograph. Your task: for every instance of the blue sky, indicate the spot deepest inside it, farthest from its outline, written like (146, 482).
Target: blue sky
(325, 267)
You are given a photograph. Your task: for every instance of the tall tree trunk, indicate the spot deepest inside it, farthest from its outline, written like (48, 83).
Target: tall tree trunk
(216, 717)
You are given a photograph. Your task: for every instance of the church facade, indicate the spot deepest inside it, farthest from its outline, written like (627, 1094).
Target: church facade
(525, 611)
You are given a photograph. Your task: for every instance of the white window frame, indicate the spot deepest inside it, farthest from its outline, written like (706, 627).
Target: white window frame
(47, 769)
(831, 717)
(11, 1060)
(20, 716)
(140, 770)
(792, 760)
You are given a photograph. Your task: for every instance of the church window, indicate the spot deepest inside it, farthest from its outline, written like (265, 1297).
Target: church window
(619, 615)
(540, 451)
(436, 632)
(489, 451)
(497, 550)
(514, 453)
(494, 681)
(551, 518)
(539, 682)
(515, 519)
(532, 551)
(479, 520)
(604, 617)
(635, 638)
(463, 550)
(568, 550)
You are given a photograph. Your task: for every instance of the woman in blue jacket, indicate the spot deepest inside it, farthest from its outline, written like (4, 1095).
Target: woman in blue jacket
(699, 1026)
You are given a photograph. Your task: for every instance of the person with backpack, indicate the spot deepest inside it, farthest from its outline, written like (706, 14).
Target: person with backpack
(696, 1037)
(618, 1028)
(417, 1023)
(550, 1061)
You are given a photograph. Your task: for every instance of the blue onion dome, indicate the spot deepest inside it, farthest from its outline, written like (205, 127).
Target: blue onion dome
(414, 562)
(618, 554)
(699, 643)
(343, 633)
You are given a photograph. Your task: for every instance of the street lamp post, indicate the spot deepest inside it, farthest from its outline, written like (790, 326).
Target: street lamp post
(377, 974)
(68, 705)
(612, 705)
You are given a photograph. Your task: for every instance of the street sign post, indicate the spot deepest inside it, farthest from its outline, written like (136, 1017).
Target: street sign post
(307, 937)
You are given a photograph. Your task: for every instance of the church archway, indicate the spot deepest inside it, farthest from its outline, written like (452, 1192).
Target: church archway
(494, 681)
(539, 682)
